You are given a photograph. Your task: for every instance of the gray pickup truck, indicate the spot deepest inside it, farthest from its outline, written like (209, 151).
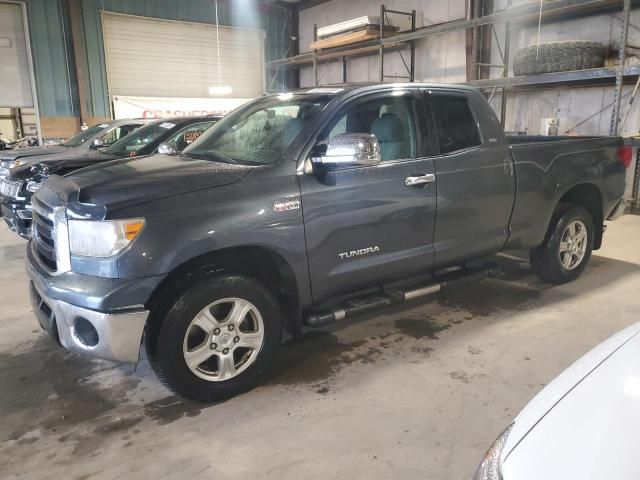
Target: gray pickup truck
(301, 209)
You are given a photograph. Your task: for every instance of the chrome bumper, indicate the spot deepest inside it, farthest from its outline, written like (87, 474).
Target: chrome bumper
(111, 336)
(618, 210)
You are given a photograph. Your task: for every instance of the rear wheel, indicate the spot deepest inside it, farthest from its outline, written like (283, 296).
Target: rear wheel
(217, 339)
(567, 248)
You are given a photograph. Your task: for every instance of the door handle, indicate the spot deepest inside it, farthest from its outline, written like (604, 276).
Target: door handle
(419, 180)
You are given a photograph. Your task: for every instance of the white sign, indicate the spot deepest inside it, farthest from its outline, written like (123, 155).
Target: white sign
(160, 107)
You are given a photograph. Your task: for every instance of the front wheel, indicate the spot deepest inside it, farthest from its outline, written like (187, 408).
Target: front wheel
(567, 248)
(217, 339)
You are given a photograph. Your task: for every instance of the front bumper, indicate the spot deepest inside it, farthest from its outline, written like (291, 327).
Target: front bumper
(18, 217)
(112, 336)
(101, 317)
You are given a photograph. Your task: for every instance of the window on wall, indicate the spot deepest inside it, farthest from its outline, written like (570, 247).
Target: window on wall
(390, 119)
(457, 129)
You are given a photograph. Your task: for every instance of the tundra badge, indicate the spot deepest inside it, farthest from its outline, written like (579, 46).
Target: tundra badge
(360, 251)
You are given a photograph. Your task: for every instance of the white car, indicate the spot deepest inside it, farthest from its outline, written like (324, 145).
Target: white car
(584, 425)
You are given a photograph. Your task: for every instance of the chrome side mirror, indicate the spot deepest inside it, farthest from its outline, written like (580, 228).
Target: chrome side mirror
(97, 143)
(167, 148)
(350, 149)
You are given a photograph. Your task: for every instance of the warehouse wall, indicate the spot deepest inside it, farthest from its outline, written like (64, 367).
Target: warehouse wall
(441, 58)
(53, 54)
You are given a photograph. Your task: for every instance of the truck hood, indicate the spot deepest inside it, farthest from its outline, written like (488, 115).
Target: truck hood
(44, 166)
(130, 181)
(10, 155)
(585, 423)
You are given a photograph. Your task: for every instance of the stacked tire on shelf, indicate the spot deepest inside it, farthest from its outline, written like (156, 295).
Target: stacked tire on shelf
(558, 57)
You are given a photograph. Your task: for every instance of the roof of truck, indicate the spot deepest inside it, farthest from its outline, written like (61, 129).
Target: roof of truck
(343, 88)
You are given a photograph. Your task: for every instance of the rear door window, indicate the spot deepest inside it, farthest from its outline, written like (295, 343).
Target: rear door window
(119, 132)
(456, 125)
(188, 134)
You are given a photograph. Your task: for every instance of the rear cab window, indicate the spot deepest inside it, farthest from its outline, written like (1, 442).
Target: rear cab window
(455, 123)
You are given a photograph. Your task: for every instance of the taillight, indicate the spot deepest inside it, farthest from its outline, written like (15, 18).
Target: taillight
(625, 155)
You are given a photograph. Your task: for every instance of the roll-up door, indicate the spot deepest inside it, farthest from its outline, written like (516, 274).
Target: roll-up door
(152, 57)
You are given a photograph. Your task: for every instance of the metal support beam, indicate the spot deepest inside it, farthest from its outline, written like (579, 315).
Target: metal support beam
(344, 69)
(413, 48)
(81, 60)
(381, 48)
(624, 33)
(505, 73)
(315, 56)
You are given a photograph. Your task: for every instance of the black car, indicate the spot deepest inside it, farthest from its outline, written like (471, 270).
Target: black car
(100, 135)
(23, 181)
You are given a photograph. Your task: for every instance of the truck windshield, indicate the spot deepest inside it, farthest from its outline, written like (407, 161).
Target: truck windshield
(130, 145)
(84, 135)
(258, 133)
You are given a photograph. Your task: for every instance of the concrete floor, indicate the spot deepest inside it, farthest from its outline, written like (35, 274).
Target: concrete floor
(418, 392)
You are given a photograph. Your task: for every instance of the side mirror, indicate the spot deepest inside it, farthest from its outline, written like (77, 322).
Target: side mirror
(167, 148)
(97, 143)
(350, 149)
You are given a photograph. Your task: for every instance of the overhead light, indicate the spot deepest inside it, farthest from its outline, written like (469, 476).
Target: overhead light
(220, 90)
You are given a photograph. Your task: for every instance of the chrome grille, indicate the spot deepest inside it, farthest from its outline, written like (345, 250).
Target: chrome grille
(4, 172)
(9, 188)
(50, 235)
(43, 235)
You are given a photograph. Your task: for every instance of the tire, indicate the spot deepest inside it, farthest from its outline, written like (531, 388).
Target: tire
(549, 262)
(177, 338)
(558, 57)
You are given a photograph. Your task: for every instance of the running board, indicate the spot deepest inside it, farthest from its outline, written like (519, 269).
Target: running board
(387, 298)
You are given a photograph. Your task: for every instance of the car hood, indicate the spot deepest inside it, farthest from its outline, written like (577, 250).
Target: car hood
(45, 166)
(129, 181)
(10, 155)
(585, 423)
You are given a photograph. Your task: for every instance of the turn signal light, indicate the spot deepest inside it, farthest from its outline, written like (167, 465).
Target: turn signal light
(625, 155)
(132, 229)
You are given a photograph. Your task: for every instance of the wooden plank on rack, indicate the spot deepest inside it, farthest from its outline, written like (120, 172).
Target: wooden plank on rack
(369, 33)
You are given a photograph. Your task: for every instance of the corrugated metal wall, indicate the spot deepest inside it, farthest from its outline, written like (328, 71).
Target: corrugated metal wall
(50, 35)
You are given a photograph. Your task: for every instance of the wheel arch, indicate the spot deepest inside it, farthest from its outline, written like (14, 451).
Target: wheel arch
(588, 196)
(258, 262)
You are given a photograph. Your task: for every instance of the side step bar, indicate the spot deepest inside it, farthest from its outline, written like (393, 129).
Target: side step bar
(386, 298)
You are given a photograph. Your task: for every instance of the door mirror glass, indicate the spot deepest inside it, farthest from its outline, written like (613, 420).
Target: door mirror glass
(97, 143)
(350, 149)
(167, 148)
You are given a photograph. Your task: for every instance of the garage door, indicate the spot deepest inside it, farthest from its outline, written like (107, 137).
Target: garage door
(163, 58)
(15, 85)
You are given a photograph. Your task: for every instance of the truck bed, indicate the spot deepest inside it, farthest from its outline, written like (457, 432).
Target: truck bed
(547, 167)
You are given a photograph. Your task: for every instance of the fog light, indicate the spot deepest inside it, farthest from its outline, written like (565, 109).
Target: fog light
(85, 332)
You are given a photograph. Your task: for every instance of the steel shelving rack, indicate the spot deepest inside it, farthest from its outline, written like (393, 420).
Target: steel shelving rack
(554, 10)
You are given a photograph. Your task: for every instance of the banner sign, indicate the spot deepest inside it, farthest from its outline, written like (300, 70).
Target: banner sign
(161, 107)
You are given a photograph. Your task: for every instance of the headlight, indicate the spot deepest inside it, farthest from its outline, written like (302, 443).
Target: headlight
(15, 163)
(491, 468)
(33, 187)
(89, 238)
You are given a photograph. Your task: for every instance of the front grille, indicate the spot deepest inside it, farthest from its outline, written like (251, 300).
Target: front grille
(44, 234)
(10, 188)
(4, 172)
